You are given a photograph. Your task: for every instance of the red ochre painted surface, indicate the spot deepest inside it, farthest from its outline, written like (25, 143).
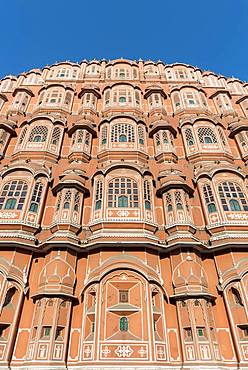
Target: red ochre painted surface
(123, 218)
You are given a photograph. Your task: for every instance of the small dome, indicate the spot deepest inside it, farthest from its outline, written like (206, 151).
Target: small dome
(189, 276)
(57, 277)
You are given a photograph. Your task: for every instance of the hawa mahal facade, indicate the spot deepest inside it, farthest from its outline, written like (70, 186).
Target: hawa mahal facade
(124, 218)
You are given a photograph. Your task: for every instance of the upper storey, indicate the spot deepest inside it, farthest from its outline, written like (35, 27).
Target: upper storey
(123, 69)
(104, 87)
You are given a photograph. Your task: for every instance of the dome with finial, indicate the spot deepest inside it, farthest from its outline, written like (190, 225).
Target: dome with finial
(57, 277)
(189, 277)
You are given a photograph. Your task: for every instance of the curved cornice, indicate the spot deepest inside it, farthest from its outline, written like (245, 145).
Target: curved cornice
(154, 89)
(186, 86)
(240, 124)
(161, 125)
(220, 91)
(57, 84)
(104, 171)
(110, 86)
(90, 89)
(222, 167)
(51, 118)
(202, 117)
(23, 89)
(121, 115)
(124, 262)
(82, 124)
(122, 61)
(35, 169)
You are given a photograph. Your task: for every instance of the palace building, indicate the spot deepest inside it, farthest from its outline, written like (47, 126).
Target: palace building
(123, 218)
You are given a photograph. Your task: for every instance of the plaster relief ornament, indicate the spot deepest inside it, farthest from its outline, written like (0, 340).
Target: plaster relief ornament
(124, 351)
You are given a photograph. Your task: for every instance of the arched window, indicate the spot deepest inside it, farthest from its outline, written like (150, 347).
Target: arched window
(157, 139)
(206, 135)
(76, 201)
(147, 195)
(165, 137)
(141, 135)
(122, 201)
(58, 202)
(223, 103)
(68, 98)
(122, 138)
(236, 296)
(177, 206)
(36, 197)
(67, 200)
(98, 204)
(232, 197)
(107, 97)
(124, 324)
(8, 298)
(189, 137)
(234, 205)
(3, 138)
(209, 198)
(122, 99)
(22, 136)
(122, 132)
(168, 200)
(104, 135)
(176, 100)
(38, 134)
(21, 101)
(56, 136)
(178, 200)
(13, 195)
(123, 192)
(223, 138)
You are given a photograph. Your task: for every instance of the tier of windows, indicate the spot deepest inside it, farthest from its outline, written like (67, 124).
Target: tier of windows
(176, 207)
(63, 73)
(7, 85)
(242, 140)
(41, 136)
(68, 206)
(20, 102)
(49, 324)
(224, 201)
(122, 96)
(204, 138)
(125, 135)
(182, 74)
(188, 99)
(124, 196)
(125, 96)
(132, 197)
(155, 100)
(81, 141)
(163, 142)
(55, 97)
(223, 103)
(33, 79)
(244, 106)
(24, 197)
(89, 100)
(122, 72)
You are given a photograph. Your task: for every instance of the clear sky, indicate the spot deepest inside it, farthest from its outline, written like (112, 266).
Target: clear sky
(210, 34)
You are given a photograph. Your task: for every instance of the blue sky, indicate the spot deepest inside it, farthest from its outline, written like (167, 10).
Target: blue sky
(210, 34)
